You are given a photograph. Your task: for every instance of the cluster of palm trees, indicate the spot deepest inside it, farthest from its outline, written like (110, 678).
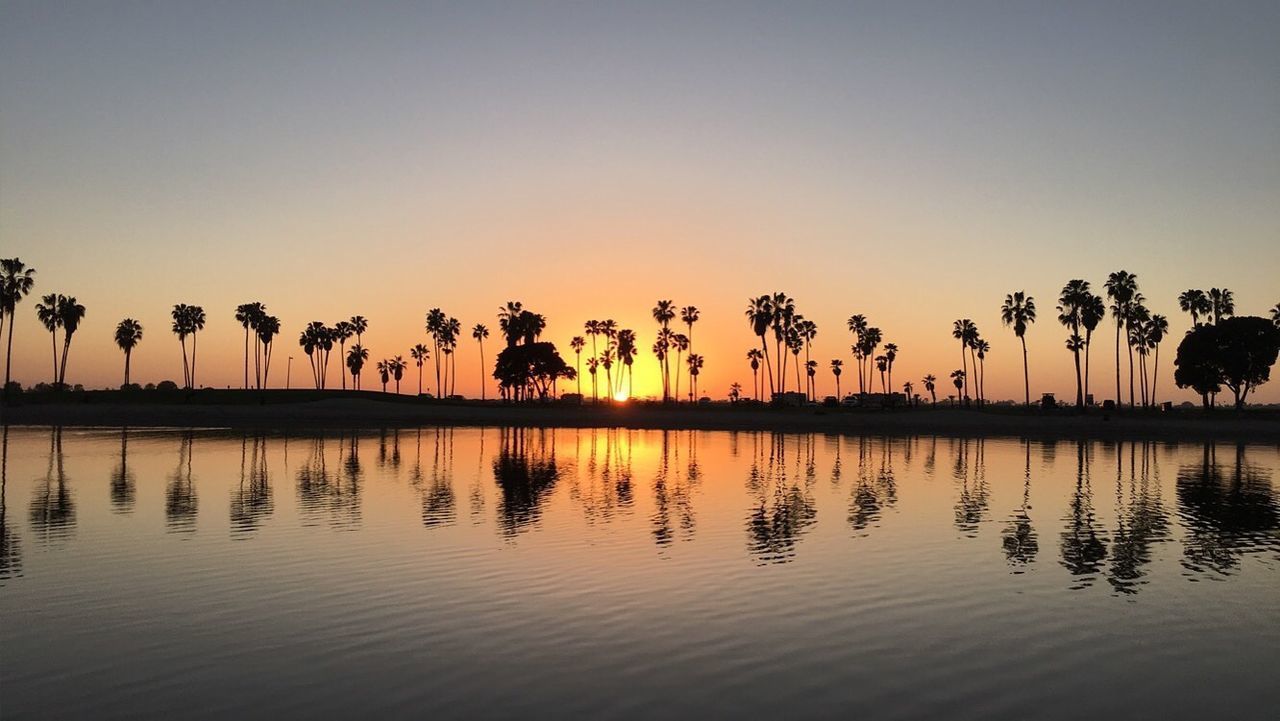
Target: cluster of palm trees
(966, 331)
(16, 282)
(619, 348)
(317, 341)
(664, 313)
(262, 328)
(777, 313)
(188, 321)
(60, 311)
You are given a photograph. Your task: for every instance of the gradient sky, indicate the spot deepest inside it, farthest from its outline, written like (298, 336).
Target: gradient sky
(912, 162)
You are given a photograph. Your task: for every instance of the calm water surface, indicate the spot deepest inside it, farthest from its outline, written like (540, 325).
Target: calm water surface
(498, 573)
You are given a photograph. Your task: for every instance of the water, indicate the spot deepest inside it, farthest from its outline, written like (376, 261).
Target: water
(464, 573)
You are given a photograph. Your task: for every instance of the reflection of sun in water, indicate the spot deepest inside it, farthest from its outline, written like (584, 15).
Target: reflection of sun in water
(620, 396)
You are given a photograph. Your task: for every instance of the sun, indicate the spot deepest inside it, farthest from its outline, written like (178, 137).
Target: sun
(620, 396)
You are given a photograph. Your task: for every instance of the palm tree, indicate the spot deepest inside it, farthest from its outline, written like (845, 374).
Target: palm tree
(358, 326)
(680, 342)
(784, 317)
(480, 332)
(437, 327)
(356, 358)
(735, 392)
(858, 326)
(592, 364)
(609, 329)
(71, 313)
(247, 315)
(1275, 315)
(664, 311)
(419, 353)
(931, 384)
(627, 357)
(1222, 303)
(1138, 315)
(689, 316)
(342, 332)
(577, 344)
(396, 366)
(811, 370)
(808, 330)
(268, 329)
(964, 331)
(957, 379)
(1121, 287)
(1195, 302)
(1019, 311)
(592, 328)
(1092, 311)
(881, 363)
(128, 335)
(384, 372)
(695, 368)
(907, 388)
(754, 357)
(982, 347)
(16, 282)
(606, 362)
(890, 355)
(1072, 304)
(1157, 329)
(760, 316)
(870, 341)
(48, 310)
(837, 366)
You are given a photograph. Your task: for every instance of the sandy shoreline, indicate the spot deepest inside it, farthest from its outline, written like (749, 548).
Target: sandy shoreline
(356, 412)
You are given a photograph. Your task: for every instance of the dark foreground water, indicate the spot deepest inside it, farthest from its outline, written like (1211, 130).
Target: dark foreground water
(466, 573)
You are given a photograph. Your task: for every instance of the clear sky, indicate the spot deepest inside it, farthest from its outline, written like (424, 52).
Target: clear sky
(910, 161)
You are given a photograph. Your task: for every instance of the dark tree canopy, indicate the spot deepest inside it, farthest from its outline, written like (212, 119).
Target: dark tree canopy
(528, 368)
(1235, 352)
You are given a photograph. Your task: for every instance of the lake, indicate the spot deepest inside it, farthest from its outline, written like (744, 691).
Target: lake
(503, 573)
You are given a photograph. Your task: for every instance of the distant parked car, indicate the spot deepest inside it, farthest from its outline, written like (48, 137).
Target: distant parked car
(830, 402)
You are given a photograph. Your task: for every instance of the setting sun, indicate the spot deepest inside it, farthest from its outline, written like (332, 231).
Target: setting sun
(620, 396)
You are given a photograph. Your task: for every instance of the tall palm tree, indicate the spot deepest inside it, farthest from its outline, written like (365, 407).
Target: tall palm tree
(1157, 329)
(1072, 304)
(437, 328)
(754, 356)
(592, 364)
(1092, 312)
(480, 332)
(760, 316)
(881, 363)
(870, 341)
(907, 389)
(247, 315)
(689, 315)
(268, 329)
(1222, 303)
(577, 344)
(1121, 286)
(609, 329)
(627, 357)
(664, 311)
(964, 331)
(128, 335)
(342, 332)
(396, 366)
(356, 358)
(808, 331)
(606, 361)
(784, 316)
(1196, 303)
(592, 328)
(1137, 316)
(384, 373)
(811, 370)
(1019, 311)
(16, 282)
(695, 369)
(890, 355)
(358, 326)
(983, 348)
(454, 331)
(680, 342)
(858, 326)
(49, 311)
(957, 379)
(192, 320)
(931, 385)
(419, 353)
(837, 366)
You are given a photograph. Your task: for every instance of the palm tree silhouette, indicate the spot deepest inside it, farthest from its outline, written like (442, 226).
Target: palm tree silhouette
(1019, 311)
(384, 372)
(964, 331)
(1195, 302)
(358, 326)
(437, 328)
(342, 332)
(356, 358)
(881, 363)
(1135, 331)
(906, 391)
(1121, 286)
(689, 316)
(931, 384)
(811, 370)
(592, 328)
(627, 357)
(188, 320)
(982, 347)
(128, 335)
(837, 366)
(1072, 304)
(396, 366)
(1157, 329)
(681, 343)
(268, 329)
(735, 392)
(808, 330)
(695, 368)
(664, 311)
(890, 355)
(592, 364)
(1092, 312)
(760, 316)
(577, 344)
(609, 329)
(753, 357)
(858, 326)
(16, 282)
(419, 353)
(784, 317)
(957, 378)
(247, 315)
(48, 310)
(1275, 315)
(1222, 303)
(480, 332)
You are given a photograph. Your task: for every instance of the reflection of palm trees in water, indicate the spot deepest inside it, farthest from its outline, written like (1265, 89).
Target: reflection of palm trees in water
(875, 489)
(975, 494)
(526, 472)
(673, 492)
(10, 548)
(439, 505)
(1227, 512)
(603, 487)
(784, 512)
(252, 500)
(1019, 538)
(53, 510)
(180, 503)
(324, 495)
(124, 487)
(1140, 520)
(391, 458)
(1083, 543)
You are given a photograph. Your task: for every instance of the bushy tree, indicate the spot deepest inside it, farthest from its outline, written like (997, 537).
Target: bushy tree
(1234, 352)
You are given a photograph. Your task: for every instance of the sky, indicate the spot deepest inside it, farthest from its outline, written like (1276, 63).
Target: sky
(913, 162)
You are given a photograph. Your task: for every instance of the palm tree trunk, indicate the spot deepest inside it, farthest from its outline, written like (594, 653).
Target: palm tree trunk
(482, 383)
(1155, 373)
(1088, 346)
(186, 366)
(8, 356)
(126, 367)
(1079, 381)
(53, 335)
(1131, 399)
(193, 359)
(768, 367)
(246, 356)
(1119, 399)
(964, 366)
(1026, 373)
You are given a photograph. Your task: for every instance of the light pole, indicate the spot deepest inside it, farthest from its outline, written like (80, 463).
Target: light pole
(288, 373)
